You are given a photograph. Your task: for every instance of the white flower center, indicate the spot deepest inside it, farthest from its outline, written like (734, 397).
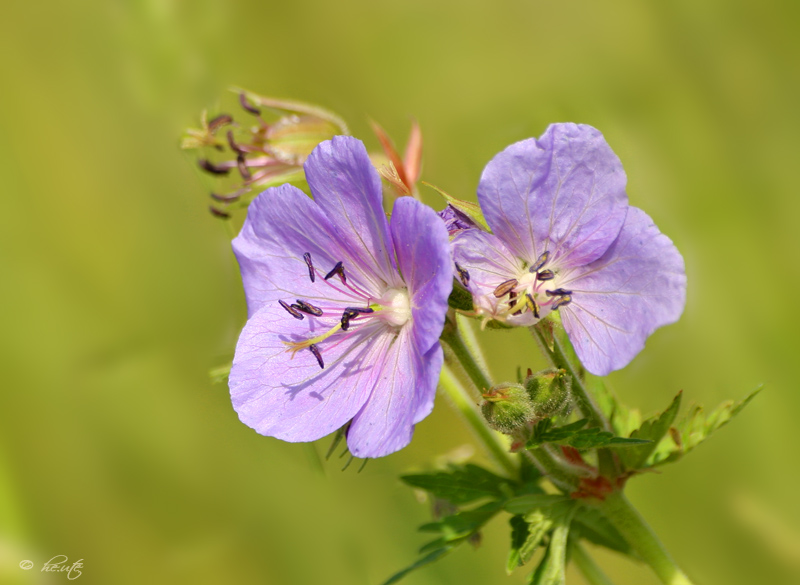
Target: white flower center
(396, 307)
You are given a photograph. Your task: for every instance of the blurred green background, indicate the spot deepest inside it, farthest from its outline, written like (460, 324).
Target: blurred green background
(119, 290)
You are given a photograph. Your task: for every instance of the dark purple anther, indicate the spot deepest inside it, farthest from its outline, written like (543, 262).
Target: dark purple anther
(292, 310)
(541, 261)
(463, 275)
(546, 275)
(307, 258)
(558, 292)
(308, 308)
(210, 167)
(248, 106)
(561, 302)
(218, 122)
(232, 143)
(243, 170)
(227, 198)
(218, 212)
(531, 302)
(505, 287)
(313, 349)
(338, 269)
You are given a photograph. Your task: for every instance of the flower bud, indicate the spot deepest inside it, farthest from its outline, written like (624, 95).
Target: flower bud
(507, 407)
(549, 392)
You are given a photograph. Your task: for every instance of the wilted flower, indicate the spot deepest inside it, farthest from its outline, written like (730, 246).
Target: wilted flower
(345, 308)
(564, 238)
(261, 155)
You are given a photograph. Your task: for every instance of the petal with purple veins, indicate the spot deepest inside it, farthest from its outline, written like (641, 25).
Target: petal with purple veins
(291, 397)
(423, 257)
(348, 189)
(637, 286)
(282, 225)
(564, 193)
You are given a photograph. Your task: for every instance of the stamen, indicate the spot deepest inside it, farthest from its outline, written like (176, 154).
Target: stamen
(308, 308)
(228, 197)
(218, 212)
(248, 106)
(235, 147)
(210, 167)
(558, 292)
(243, 170)
(505, 287)
(531, 304)
(292, 310)
(307, 258)
(463, 275)
(338, 269)
(541, 261)
(313, 349)
(352, 313)
(561, 302)
(546, 275)
(218, 122)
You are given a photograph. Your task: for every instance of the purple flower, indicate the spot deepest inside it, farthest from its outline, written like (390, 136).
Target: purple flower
(564, 238)
(345, 308)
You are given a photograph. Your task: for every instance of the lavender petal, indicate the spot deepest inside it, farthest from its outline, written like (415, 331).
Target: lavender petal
(637, 286)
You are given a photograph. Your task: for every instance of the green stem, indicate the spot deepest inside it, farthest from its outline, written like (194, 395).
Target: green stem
(586, 565)
(466, 406)
(559, 359)
(460, 353)
(552, 469)
(641, 537)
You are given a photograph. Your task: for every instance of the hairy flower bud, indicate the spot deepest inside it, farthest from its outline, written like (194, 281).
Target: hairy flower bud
(508, 407)
(549, 392)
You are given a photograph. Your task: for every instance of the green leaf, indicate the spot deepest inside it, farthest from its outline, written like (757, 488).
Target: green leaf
(463, 524)
(576, 436)
(460, 298)
(552, 568)
(471, 210)
(654, 429)
(530, 502)
(462, 484)
(539, 524)
(696, 428)
(426, 560)
(519, 534)
(590, 524)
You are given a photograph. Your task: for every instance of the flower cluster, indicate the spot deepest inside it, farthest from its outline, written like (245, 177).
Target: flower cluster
(346, 308)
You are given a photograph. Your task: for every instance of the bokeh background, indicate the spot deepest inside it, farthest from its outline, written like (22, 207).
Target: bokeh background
(119, 291)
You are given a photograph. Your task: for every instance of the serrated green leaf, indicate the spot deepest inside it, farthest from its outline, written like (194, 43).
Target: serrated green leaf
(528, 503)
(589, 523)
(539, 524)
(471, 210)
(696, 428)
(426, 560)
(464, 523)
(461, 484)
(552, 568)
(574, 435)
(519, 533)
(654, 429)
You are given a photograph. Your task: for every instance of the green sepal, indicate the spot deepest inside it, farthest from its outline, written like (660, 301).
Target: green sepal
(461, 484)
(696, 428)
(220, 373)
(471, 210)
(654, 429)
(460, 298)
(295, 107)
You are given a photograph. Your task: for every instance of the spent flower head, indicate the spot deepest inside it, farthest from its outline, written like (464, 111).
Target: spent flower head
(345, 308)
(261, 152)
(565, 239)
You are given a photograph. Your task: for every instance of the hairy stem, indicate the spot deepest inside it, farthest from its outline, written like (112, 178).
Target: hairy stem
(586, 565)
(641, 537)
